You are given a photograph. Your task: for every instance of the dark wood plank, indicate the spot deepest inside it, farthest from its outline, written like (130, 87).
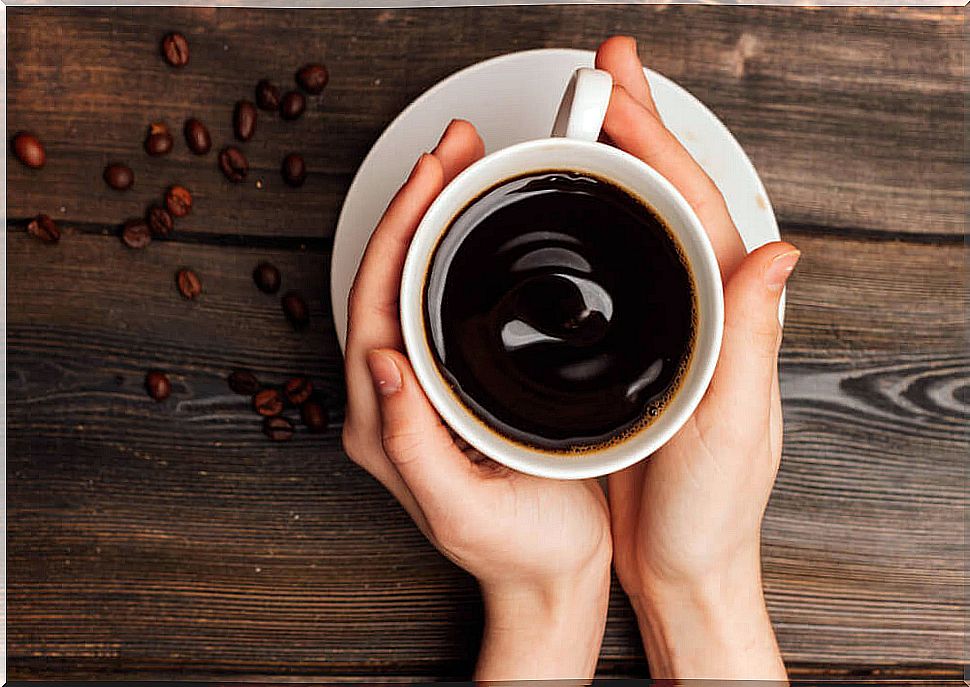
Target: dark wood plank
(852, 116)
(124, 305)
(173, 539)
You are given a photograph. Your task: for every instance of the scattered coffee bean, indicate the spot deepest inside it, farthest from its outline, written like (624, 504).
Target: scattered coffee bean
(159, 139)
(175, 49)
(295, 309)
(157, 385)
(267, 277)
(298, 390)
(294, 170)
(29, 150)
(233, 164)
(135, 234)
(43, 228)
(119, 176)
(244, 120)
(178, 200)
(243, 382)
(278, 428)
(188, 284)
(267, 96)
(313, 78)
(268, 402)
(159, 221)
(314, 416)
(197, 136)
(292, 105)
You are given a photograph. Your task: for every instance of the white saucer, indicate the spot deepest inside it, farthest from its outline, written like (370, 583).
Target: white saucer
(514, 98)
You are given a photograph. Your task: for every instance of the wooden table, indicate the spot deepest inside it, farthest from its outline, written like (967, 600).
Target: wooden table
(173, 540)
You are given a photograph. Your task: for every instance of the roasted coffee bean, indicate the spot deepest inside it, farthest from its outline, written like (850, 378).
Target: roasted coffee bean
(268, 402)
(197, 136)
(292, 105)
(267, 95)
(294, 170)
(267, 277)
(158, 140)
(188, 283)
(314, 416)
(278, 428)
(157, 385)
(313, 78)
(178, 200)
(298, 390)
(159, 221)
(135, 234)
(243, 382)
(29, 150)
(175, 49)
(233, 164)
(295, 309)
(244, 120)
(119, 176)
(43, 228)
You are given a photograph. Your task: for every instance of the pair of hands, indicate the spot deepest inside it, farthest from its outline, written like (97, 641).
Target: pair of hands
(682, 529)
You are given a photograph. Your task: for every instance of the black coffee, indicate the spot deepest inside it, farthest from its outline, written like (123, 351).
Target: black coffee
(560, 310)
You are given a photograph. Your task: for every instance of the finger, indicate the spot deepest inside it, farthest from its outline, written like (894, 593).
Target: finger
(459, 147)
(748, 364)
(414, 438)
(618, 56)
(623, 492)
(374, 294)
(638, 131)
(373, 319)
(372, 316)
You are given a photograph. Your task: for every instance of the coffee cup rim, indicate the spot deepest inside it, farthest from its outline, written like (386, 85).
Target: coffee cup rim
(650, 187)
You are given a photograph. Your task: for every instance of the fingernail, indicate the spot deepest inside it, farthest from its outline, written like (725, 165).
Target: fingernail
(780, 268)
(384, 373)
(619, 90)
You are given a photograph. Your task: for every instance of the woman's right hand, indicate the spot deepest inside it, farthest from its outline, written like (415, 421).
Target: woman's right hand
(686, 522)
(539, 548)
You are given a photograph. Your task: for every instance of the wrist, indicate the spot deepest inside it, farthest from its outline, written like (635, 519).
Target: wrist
(547, 630)
(714, 625)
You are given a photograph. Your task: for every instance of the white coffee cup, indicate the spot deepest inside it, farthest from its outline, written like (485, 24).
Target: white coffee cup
(572, 147)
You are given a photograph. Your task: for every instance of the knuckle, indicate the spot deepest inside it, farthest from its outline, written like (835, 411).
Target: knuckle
(401, 442)
(761, 338)
(456, 534)
(768, 334)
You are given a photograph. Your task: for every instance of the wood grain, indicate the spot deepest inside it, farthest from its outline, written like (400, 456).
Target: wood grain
(172, 540)
(173, 527)
(850, 115)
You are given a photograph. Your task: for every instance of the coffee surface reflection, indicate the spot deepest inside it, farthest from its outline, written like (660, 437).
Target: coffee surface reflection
(560, 310)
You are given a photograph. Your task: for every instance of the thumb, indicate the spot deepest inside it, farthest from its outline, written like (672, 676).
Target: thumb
(413, 436)
(752, 332)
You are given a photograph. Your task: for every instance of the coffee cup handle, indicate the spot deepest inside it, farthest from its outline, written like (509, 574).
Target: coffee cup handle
(583, 105)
